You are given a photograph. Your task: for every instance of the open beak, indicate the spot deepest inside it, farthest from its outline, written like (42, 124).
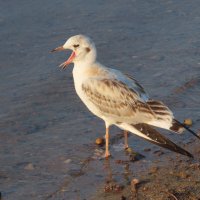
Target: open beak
(68, 61)
(57, 49)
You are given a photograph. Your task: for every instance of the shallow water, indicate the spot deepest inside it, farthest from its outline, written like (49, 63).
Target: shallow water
(47, 135)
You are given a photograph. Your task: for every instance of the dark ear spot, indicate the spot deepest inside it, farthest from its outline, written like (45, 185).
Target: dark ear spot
(87, 49)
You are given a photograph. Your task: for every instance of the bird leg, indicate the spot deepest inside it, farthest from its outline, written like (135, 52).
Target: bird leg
(107, 153)
(125, 139)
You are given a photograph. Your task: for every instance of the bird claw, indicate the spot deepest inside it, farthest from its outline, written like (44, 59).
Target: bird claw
(107, 155)
(126, 146)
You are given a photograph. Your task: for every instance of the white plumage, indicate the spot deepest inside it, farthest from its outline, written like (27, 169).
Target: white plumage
(117, 98)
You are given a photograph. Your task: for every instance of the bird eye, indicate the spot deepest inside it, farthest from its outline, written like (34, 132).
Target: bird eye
(76, 45)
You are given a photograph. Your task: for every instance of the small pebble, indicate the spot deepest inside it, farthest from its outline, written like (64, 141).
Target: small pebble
(147, 149)
(171, 172)
(153, 170)
(188, 122)
(135, 181)
(67, 161)
(158, 152)
(134, 184)
(100, 141)
(113, 187)
(123, 197)
(145, 188)
(133, 157)
(182, 175)
(29, 167)
(195, 166)
(129, 150)
(121, 162)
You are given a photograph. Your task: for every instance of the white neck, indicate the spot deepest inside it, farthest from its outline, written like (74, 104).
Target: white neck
(82, 65)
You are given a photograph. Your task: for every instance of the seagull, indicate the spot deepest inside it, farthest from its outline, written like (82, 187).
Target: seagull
(118, 99)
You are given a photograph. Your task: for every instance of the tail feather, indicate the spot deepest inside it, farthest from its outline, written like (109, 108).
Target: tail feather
(159, 108)
(164, 118)
(177, 126)
(162, 114)
(148, 133)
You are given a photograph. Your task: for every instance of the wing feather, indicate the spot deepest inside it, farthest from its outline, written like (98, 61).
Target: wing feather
(137, 87)
(122, 99)
(114, 98)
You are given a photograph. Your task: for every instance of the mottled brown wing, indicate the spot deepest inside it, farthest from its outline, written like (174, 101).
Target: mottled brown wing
(113, 97)
(136, 86)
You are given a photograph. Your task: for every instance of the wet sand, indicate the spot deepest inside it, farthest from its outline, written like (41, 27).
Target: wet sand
(47, 135)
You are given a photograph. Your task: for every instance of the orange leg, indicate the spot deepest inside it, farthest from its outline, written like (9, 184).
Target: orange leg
(107, 153)
(126, 139)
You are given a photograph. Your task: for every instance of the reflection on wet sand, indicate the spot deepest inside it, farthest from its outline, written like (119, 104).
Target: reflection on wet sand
(109, 177)
(117, 180)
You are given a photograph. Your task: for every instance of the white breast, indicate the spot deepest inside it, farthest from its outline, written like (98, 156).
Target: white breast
(80, 74)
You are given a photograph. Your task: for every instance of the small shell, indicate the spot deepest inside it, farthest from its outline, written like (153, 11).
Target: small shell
(100, 141)
(188, 122)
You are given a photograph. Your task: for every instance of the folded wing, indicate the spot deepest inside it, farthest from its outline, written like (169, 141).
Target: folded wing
(114, 98)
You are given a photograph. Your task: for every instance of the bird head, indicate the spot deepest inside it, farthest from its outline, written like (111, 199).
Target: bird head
(83, 50)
